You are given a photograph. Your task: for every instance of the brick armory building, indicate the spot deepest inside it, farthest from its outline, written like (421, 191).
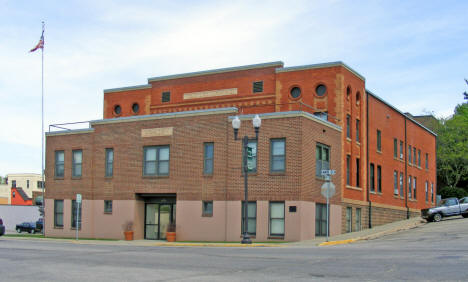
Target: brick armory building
(165, 152)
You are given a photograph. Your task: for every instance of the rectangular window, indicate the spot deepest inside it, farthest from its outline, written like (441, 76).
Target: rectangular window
(321, 115)
(39, 184)
(395, 148)
(320, 219)
(277, 155)
(74, 208)
(59, 163)
(414, 156)
(107, 206)
(414, 187)
(77, 160)
(58, 213)
(348, 168)
(208, 157)
(358, 172)
(252, 218)
(432, 192)
(379, 179)
(166, 97)
(348, 125)
(401, 149)
(409, 154)
(27, 183)
(419, 158)
(358, 219)
(379, 141)
(395, 182)
(401, 185)
(410, 179)
(257, 87)
(371, 180)
(207, 208)
(426, 190)
(349, 219)
(156, 160)
(252, 156)
(357, 130)
(109, 162)
(276, 218)
(322, 159)
(427, 161)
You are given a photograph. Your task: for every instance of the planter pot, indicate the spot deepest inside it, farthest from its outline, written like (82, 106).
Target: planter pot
(170, 236)
(128, 235)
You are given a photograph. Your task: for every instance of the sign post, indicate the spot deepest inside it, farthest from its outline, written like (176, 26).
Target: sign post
(328, 190)
(78, 204)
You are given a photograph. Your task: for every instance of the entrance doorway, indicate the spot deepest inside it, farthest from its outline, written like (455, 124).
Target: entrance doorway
(157, 217)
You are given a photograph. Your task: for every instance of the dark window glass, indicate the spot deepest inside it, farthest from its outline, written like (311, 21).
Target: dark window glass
(276, 218)
(74, 222)
(348, 122)
(358, 172)
(208, 158)
(414, 187)
(409, 154)
(107, 206)
(401, 184)
(357, 130)
(379, 141)
(358, 219)
(371, 180)
(251, 218)
(77, 162)
(59, 163)
(358, 98)
(295, 92)
(379, 179)
(58, 213)
(348, 168)
(419, 158)
(207, 208)
(109, 162)
(13, 183)
(349, 219)
(426, 190)
(395, 148)
(320, 219)
(321, 90)
(401, 149)
(166, 97)
(257, 86)
(322, 159)
(135, 108)
(27, 183)
(156, 160)
(427, 161)
(395, 182)
(278, 155)
(348, 92)
(409, 186)
(414, 155)
(117, 110)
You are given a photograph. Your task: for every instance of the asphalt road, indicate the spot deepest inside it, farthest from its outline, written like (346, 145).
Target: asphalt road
(435, 252)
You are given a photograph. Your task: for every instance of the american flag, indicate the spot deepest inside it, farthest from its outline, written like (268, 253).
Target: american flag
(40, 44)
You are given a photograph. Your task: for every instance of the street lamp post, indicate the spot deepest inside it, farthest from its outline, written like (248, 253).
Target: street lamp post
(256, 122)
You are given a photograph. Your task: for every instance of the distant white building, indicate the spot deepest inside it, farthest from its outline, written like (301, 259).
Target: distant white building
(29, 182)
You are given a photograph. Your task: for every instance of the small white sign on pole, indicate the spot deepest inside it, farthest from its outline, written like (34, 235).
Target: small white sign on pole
(78, 198)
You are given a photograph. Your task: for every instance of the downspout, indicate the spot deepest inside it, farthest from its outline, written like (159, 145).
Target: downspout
(367, 160)
(406, 176)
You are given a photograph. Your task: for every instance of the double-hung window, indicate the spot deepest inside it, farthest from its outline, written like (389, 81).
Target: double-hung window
(252, 218)
(77, 162)
(379, 179)
(358, 173)
(208, 158)
(322, 160)
(426, 190)
(419, 158)
(278, 155)
(432, 192)
(156, 160)
(395, 148)
(409, 186)
(414, 187)
(379, 141)
(401, 185)
(348, 168)
(372, 181)
(58, 213)
(349, 219)
(401, 149)
(75, 222)
(395, 182)
(357, 130)
(348, 125)
(107, 206)
(59, 163)
(276, 218)
(109, 162)
(427, 161)
(414, 156)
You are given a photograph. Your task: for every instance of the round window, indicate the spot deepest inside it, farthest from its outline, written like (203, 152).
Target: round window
(135, 108)
(117, 110)
(295, 92)
(321, 90)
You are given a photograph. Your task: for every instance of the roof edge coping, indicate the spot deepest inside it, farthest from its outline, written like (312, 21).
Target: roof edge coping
(318, 66)
(127, 88)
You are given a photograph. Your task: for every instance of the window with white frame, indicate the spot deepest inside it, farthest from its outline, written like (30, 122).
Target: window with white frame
(276, 219)
(156, 160)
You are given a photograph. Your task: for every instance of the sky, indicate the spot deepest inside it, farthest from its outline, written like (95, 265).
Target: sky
(413, 54)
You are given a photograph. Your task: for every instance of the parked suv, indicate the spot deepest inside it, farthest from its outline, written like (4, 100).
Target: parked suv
(2, 227)
(29, 227)
(448, 207)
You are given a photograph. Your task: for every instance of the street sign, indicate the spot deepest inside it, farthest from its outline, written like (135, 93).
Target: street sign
(328, 172)
(78, 198)
(328, 189)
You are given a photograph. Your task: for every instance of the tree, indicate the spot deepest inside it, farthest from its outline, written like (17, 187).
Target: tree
(452, 149)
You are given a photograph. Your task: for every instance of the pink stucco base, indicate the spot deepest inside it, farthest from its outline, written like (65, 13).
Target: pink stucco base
(224, 225)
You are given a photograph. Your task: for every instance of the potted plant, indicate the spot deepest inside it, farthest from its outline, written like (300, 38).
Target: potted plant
(171, 232)
(128, 230)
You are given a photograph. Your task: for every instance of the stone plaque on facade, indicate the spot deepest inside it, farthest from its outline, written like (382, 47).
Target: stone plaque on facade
(211, 93)
(156, 132)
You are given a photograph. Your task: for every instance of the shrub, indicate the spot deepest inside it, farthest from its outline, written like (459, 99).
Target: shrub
(448, 192)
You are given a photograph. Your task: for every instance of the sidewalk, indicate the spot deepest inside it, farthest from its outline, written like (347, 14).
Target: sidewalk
(346, 238)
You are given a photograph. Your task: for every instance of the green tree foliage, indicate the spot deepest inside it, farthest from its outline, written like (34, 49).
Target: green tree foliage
(448, 192)
(452, 149)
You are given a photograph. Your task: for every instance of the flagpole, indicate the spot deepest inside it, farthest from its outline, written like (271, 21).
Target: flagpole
(42, 135)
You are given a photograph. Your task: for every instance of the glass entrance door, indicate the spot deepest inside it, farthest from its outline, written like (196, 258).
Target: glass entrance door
(157, 218)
